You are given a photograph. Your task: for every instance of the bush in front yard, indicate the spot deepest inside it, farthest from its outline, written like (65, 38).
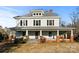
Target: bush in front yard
(42, 39)
(25, 39)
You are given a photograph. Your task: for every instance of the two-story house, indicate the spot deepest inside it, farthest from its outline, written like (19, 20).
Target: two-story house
(41, 23)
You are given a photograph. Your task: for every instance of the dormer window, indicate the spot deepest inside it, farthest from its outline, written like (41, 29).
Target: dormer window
(39, 13)
(36, 13)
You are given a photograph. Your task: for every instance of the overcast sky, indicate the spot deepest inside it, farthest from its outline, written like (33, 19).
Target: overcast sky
(8, 12)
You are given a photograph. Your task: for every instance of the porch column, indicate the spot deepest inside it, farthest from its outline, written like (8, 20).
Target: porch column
(72, 36)
(66, 36)
(40, 32)
(26, 32)
(57, 36)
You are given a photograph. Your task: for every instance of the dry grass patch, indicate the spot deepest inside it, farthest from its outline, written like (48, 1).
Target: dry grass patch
(47, 48)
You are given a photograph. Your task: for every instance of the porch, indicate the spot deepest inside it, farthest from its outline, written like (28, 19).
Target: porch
(50, 35)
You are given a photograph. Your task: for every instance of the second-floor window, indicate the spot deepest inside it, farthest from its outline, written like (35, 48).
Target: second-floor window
(20, 22)
(26, 22)
(50, 22)
(37, 22)
(23, 22)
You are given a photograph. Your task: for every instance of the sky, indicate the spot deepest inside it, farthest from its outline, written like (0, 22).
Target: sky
(8, 12)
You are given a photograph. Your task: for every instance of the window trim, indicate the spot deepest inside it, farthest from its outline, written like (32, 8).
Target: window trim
(36, 22)
(50, 22)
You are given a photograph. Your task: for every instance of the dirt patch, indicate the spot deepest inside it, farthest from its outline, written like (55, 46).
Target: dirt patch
(46, 48)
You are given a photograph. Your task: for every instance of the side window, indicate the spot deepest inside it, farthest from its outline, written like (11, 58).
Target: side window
(20, 22)
(26, 22)
(50, 22)
(34, 22)
(53, 22)
(39, 22)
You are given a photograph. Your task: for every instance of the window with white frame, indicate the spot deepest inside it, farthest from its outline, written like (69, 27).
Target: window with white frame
(23, 22)
(20, 22)
(37, 22)
(26, 22)
(50, 22)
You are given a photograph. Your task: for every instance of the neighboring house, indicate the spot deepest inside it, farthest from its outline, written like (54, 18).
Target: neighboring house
(41, 23)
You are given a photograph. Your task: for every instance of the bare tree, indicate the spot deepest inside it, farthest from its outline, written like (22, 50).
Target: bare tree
(63, 24)
(75, 19)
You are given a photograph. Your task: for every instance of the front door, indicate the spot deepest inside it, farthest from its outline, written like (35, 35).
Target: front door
(36, 34)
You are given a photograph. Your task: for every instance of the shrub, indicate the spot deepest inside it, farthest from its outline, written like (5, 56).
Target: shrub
(42, 39)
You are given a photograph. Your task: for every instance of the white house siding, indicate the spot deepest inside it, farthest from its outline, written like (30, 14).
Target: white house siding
(30, 22)
(56, 22)
(43, 22)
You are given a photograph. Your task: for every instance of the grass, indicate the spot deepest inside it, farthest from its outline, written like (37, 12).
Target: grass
(51, 47)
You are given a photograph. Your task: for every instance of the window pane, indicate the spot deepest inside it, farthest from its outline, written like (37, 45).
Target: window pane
(53, 22)
(20, 22)
(39, 13)
(47, 22)
(50, 22)
(39, 22)
(34, 22)
(36, 13)
(26, 22)
(23, 22)
(50, 34)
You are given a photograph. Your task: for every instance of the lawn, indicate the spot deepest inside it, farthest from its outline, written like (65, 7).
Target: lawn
(49, 47)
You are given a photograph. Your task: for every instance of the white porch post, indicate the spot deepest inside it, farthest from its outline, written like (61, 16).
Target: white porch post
(57, 32)
(72, 36)
(71, 32)
(40, 32)
(26, 32)
(57, 36)
(66, 36)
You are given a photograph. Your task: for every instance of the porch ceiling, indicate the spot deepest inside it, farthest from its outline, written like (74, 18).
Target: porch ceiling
(44, 28)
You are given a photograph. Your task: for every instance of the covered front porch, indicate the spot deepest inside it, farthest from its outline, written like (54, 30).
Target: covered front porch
(60, 34)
